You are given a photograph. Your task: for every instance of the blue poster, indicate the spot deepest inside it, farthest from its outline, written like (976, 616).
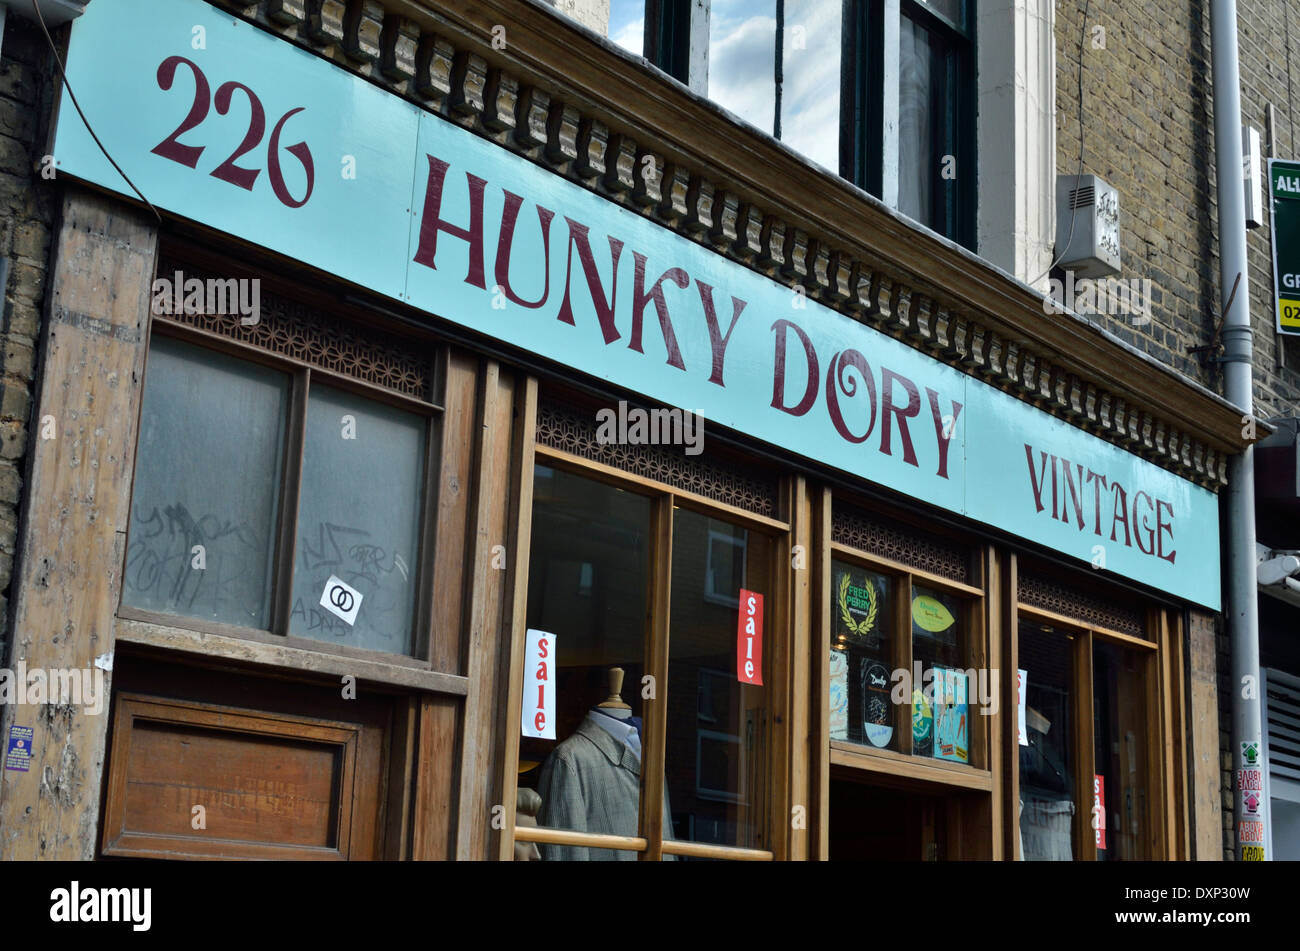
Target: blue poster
(18, 756)
(951, 716)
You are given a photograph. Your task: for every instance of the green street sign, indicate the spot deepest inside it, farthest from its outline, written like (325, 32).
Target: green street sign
(1284, 195)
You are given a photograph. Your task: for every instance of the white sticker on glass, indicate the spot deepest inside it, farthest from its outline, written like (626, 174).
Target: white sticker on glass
(341, 599)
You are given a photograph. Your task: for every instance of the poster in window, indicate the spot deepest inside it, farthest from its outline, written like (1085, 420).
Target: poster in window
(839, 695)
(934, 620)
(877, 709)
(951, 716)
(922, 724)
(857, 609)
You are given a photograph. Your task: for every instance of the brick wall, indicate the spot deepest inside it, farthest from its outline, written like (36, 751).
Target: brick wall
(1148, 130)
(26, 90)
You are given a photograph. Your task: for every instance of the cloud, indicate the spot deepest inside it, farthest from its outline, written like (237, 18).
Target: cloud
(627, 25)
(742, 58)
(810, 100)
(742, 55)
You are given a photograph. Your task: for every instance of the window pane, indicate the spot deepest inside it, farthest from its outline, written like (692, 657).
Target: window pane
(941, 723)
(627, 24)
(623, 21)
(952, 9)
(1119, 730)
(919, 74)
(1047, 793)
(718, 727)
(359, 520)
(810, 93)
(207, 473)
(862, 661)
(588, 573)
(742, 59)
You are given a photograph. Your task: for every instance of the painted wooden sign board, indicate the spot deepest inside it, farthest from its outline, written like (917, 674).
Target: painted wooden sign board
(220, 122)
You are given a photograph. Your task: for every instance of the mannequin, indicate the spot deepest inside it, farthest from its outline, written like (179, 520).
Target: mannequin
(625, 728)
(591, 782)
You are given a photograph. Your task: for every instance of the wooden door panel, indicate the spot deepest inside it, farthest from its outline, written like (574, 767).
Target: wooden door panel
(304, 774)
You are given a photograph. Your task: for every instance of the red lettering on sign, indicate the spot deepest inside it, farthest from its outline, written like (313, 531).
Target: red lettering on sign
(749, 639)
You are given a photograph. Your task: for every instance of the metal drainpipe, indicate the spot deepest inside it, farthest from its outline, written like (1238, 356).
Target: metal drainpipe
(1242, 608)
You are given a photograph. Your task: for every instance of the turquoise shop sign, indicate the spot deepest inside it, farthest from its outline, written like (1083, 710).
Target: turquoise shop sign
(217, 121)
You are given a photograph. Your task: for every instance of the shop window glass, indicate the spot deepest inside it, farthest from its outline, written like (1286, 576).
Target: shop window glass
(1048, 797)
(207, 487)
(209, 532)
(718, 727)
(862, 660)
(359, 520)
(588, 574)
(1119, 794)
(941, 725)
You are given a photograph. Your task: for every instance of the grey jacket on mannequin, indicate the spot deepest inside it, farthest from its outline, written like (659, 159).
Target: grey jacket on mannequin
(592, 783)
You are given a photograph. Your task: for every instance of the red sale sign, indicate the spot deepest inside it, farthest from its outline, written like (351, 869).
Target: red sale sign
(1099, 809)
(749, 639)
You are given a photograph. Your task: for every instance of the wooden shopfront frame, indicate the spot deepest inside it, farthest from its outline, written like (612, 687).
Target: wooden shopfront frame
(440, 729)
(1165, 762)
(980, 813)
(784, 640)
(975, 821)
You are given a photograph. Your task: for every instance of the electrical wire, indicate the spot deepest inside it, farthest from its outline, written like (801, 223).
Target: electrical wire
(71, 95)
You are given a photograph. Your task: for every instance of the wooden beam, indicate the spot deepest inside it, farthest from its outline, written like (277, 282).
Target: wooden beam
(821, 641)
(655, 709)
(1010, 766)
(906, 766)
(1203, 699)
(1084, 745)
(513, 643)
(996, 635)
(794, 561)
(68, 582)
(478, 836)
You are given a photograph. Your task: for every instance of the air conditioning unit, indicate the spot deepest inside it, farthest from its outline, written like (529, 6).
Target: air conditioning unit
(1087, 226)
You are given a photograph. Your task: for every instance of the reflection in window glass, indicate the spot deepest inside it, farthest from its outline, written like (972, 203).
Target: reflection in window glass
(1047, 790)
(861, 661)
(810, 91)
(358, 521)
(940, 722)
(718, 728)
(918, 74)
(742, 59)
(952, 9)
(623, 21)
(1119, 731)
(208, 472)
(627, 24)
(588, 573)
